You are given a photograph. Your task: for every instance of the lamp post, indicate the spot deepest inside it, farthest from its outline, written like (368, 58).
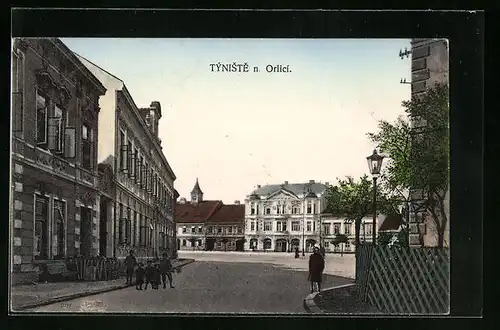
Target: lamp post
(375, 165)
(303, 223)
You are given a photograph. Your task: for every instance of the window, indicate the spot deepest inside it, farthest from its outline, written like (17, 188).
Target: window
(55, 130)
(368, 228)
(230, 230)
(278, 209)
(295, 226)
(347, 229)
(17, 94)
(86, 146)
(200, 229)
(85, 231)
(252, 208)
(295, 210)
(41, 118)
(252, 226)
(219, 230)
(268, 210)
(133, 240)
(130, 166)
(210, 229)
(309, 208)
(326, 229)
(184, 230)
(336, 228)
(41, 228)
(267, 226)
(59, 232)
(137, 167)
(348, 246)
(308, 226)
(240, 230)
(183, 242)
(123, 153)
(284, 226)
(193, 229)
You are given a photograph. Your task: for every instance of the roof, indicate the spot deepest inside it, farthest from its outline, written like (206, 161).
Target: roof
(294, 188)
(391, 222)
(195, 212)
(232, 213)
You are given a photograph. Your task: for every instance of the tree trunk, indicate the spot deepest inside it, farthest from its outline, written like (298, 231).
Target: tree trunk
(342, 251)
(357, 226)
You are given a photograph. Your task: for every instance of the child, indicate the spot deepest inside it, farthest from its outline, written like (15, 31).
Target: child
(156, 276)
(149, 274)
(139, 276)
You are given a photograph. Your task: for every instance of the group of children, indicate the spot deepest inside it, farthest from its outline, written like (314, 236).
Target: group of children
(149, 275)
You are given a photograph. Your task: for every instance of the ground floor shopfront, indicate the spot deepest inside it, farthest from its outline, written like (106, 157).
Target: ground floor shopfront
(211, 243)
(54, 215)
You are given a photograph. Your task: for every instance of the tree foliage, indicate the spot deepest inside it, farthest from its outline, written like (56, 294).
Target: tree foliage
(418, 157)
(353, 200)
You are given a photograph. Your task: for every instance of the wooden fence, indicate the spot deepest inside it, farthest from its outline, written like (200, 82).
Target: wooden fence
(406, 281)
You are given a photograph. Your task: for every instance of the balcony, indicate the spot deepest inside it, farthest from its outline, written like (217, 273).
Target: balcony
(50, 161)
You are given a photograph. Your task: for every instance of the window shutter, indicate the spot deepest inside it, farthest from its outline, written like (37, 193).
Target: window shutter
(137, 170)
(124, 154)
(69, 142)
(132, 164)
(53, 124)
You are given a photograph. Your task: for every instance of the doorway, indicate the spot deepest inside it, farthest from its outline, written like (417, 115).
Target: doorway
(209, 244)
(103, 228)
(240, 245)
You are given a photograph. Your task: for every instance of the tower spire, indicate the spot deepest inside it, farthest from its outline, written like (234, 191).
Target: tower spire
(196, 193)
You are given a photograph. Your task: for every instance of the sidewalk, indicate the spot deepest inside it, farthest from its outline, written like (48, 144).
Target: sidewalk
(34, 295)
(338, 300)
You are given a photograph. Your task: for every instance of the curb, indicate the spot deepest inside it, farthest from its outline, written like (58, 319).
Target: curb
(81, 294)
(311, 307)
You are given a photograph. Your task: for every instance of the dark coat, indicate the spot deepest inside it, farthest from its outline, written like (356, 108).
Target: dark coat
(130, 261)
(316, 267)
(166, 266)
(139, 274)
(149, 273)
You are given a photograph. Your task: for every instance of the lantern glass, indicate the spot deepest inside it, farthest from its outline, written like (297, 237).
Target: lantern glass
(375, 163)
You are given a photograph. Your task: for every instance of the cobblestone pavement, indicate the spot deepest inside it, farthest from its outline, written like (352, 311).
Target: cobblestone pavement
(209, 287)
(335, 264)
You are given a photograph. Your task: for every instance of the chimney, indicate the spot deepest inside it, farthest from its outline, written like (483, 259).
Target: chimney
(237, 202)
(286, 182)
(258, 186)
(311, 181)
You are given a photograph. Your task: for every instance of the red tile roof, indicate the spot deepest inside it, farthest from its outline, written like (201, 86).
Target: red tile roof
(233, 213)
(391, 222)
(196, 213)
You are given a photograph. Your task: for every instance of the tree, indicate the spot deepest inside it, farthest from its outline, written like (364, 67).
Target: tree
(419, 157)
(353, 200)
(340, 238)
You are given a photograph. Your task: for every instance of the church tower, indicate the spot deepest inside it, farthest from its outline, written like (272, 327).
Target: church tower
(196, 193)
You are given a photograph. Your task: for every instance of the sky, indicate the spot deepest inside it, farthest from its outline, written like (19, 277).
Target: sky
(235, 130)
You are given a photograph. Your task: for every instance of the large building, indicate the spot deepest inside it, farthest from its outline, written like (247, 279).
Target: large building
(138, 202)
(283, 217)
(55, 133)
(209, 225)
(430, 65)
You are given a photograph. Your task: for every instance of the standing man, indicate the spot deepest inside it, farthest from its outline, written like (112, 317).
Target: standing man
(166, 270)
(316, 267)
(130, 263)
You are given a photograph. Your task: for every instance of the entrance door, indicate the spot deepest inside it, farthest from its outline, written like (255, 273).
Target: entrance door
(85, 231)
(210, 244)
(240, 245)
(103, 235)
(41, 228)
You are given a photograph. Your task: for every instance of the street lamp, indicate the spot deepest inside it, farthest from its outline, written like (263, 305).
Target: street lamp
(375, 165)
(304, 206)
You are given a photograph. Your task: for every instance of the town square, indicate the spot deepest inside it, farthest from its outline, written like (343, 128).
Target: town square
(219, 176)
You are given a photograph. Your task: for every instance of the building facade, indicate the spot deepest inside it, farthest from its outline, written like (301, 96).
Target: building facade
(209, 225)
(139, 200)
(430, 65)
(54, 182)
(331, 226)
(282, 217)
